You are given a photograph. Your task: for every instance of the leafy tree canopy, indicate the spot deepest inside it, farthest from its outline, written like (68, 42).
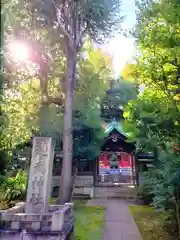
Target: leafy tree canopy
(117, 97)
(153, 118)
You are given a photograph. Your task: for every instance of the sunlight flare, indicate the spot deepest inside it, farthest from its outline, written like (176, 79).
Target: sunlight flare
(19, 51)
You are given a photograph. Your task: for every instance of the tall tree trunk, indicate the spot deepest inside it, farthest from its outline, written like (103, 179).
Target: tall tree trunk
(66, 173)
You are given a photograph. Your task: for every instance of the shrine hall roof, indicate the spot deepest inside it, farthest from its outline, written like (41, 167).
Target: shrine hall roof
(114, 125)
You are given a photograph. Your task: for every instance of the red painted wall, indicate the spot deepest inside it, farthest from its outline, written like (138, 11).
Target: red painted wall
(103, 160)
(124, 160)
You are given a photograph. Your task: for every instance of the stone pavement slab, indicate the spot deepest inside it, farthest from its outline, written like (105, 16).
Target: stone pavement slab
(119, 224)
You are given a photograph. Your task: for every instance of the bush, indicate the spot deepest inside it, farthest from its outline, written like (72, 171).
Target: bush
(144, 191)
(166, 189)
(12, 189)
(3, 162)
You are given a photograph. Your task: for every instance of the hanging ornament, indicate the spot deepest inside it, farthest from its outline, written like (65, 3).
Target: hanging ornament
(114, 139)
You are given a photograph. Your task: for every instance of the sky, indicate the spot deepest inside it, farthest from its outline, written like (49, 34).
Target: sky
(122, 48)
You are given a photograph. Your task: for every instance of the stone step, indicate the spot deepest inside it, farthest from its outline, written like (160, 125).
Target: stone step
(115, 192)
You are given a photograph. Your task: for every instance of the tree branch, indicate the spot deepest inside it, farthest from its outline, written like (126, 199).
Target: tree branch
(62, 29)
(80, 37)
(48, 100)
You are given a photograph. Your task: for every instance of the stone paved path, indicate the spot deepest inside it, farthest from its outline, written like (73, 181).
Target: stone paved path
(119, 225)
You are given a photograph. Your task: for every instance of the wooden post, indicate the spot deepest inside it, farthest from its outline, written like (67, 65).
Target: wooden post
(97, 166)
(94, 171)
(137, 172)
(132, 168)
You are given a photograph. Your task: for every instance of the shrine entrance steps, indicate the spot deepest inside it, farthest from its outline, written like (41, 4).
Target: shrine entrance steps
(123, 191)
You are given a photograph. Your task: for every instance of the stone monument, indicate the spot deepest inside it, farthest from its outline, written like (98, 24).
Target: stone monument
(40, 176)
(36, 219)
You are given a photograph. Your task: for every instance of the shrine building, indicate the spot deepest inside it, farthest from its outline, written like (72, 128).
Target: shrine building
(116, 165)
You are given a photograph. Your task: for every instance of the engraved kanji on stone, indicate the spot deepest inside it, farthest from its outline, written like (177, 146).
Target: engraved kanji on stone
(37, 203)
(41, 146)
(39, 162)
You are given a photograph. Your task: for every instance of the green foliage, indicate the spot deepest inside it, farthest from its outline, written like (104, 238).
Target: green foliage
(144, 191)
(12, 189)
(3, 162)
(3, 153)
(103, 18)
(150, 223)
(154, 117)
(87, 140)
(166, 187)
(117, 97)
(54, 33)
(25, 92)
(92, 81)
(94, 76)
(100, 19)
(89, 221)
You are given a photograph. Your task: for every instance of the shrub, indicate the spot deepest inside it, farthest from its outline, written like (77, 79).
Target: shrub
(12, 189)
(3, 162)
(166, 189)
(144, 191)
